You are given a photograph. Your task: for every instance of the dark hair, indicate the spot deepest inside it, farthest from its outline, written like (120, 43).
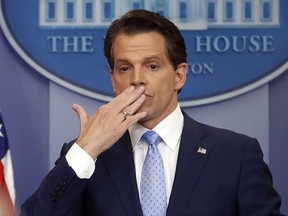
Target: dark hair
(141, 21)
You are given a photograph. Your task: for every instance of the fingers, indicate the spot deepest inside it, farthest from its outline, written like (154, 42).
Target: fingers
(132, 108)
(132, 118)
(127, 97)
(136, 105)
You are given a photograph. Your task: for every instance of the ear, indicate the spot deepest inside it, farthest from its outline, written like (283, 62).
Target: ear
(180, 77)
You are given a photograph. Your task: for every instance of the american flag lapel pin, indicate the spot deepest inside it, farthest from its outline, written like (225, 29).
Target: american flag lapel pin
(201, 151)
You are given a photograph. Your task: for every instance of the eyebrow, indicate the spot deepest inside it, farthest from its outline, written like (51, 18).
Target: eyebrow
(153, 57)
(146, 59)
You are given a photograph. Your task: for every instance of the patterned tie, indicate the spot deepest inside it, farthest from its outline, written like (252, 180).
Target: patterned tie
(153, 186)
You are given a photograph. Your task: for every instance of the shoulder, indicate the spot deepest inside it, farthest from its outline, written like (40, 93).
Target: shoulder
(219, 137)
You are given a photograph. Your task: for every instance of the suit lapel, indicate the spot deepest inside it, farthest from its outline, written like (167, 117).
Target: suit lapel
(188, 170)
(120, 164)
(189, 165)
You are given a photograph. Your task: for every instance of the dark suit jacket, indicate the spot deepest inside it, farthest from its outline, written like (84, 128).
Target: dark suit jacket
(230, 179)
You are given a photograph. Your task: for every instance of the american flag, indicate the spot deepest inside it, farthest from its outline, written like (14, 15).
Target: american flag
(7, 190)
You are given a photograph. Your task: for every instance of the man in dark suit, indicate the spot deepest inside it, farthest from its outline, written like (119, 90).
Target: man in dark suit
(207, 171)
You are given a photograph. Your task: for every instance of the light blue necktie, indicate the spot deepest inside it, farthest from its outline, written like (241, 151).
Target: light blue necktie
(152, 185)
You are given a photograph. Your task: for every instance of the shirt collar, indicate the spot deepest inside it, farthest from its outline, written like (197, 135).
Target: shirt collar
(169, 129)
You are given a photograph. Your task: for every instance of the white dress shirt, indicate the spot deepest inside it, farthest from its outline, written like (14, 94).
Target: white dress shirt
(170, 130)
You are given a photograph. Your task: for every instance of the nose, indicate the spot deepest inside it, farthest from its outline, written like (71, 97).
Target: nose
(138, 77)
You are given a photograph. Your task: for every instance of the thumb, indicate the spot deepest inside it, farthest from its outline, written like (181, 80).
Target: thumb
(81, 113)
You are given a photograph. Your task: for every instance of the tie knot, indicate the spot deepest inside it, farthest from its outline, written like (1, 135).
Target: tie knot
(151, 137)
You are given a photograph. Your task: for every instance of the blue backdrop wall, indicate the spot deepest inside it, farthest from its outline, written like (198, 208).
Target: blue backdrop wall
(39, 119)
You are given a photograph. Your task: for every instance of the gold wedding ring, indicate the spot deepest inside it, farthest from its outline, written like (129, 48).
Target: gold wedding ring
(125, 115)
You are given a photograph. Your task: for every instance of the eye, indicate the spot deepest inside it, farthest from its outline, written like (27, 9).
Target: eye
(152, 67)
(124, 69)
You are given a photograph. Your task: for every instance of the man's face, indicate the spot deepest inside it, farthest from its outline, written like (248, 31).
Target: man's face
(141, 60)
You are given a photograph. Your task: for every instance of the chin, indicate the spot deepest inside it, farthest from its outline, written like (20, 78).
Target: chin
(142, 121)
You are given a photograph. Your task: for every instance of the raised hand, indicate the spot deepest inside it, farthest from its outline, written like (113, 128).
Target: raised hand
(100, 131)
